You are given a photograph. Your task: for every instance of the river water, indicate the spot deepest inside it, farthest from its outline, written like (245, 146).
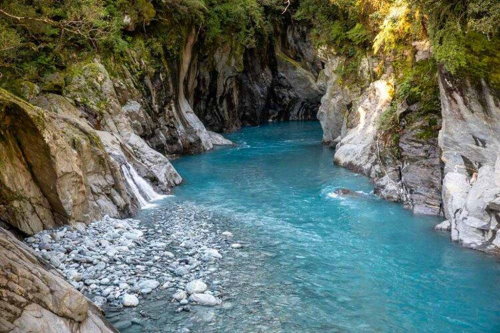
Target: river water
(313, 261)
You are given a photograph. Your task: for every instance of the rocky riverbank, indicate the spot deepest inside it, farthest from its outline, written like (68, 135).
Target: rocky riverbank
(117, 263)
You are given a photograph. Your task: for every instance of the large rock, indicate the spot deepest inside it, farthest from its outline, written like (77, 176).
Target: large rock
(470, 141)
(334, 103)
(406, 169)
(358, 149)
(35, 298)
(55, 169)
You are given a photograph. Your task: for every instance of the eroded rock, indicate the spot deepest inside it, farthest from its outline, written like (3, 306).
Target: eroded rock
(35, 298)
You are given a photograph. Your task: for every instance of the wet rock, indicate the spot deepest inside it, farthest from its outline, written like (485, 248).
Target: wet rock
(181, 271)
(130, 300)
(211, 254)
(443, 226)
(205, 299)
(180, 295)
(346, 192)
(99, 301)
(196, 286)
(470, 144)
(148, 284)
(39, 300)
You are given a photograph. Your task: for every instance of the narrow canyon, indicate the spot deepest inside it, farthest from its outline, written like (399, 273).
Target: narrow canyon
(130, 130)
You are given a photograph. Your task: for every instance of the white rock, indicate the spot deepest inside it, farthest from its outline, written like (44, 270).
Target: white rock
(111, 251)
(74, 275)
(80, 226)
(205, 299)
(236, 246)
(130, 300)
(169, 254)
(227, 234)
(99, 301)
(211, 254)
(123, 286)
(133, 234)
(105, 281)
(148, 284)
(218, 139)
(180, 295)
(196, 286)
(189, 244)
(121, 225)
(443, 226)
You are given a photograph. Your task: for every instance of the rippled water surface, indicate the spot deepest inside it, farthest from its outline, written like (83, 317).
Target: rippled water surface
(316, 262)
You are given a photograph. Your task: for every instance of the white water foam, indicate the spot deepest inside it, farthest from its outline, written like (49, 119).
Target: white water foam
(142, 190)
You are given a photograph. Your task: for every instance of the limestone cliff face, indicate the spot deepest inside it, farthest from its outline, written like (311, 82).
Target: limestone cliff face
(350, 118)
(457, 176)
(94, 144)
(277, 80)
(69, 156)
(35, 298)
(55, 169)
(470, 142)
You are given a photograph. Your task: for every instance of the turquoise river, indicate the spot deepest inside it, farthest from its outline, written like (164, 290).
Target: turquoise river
(316, 262)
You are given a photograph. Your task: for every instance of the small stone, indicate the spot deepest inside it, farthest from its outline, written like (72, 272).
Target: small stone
(227, 234)
(123, 285)
(188, 244)
(134, 234)
(107, 291)
(99, 301)
(196, 287)
(45, 246)
(205, 299)
(211, 254)
(236, 246)
(55, 262)
(130, 300)
(180, 295)
(168, 254)
(181, 271)
(79, 226)
(443, 226)
(148, 284)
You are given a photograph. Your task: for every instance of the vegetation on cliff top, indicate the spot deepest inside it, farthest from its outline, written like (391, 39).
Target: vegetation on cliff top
(42, 36)
(464, 33)
(41, 40)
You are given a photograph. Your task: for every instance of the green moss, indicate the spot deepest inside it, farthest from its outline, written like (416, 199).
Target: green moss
(8, 99)
(288, 60)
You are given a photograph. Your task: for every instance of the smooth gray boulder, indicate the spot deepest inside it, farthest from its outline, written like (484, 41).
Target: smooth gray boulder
(205, 299)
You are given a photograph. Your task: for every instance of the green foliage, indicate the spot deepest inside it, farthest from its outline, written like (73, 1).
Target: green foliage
(416, 86)
(40, 37)
(358, 35)
(234, 20)
(465, 36)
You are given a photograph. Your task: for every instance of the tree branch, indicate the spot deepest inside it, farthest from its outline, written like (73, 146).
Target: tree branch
(287, 2)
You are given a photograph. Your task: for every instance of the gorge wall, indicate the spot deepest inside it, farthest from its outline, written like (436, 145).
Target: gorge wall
(89, 121)
(64, 152)
(95, 138)
(455, 175)
(278, 80)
